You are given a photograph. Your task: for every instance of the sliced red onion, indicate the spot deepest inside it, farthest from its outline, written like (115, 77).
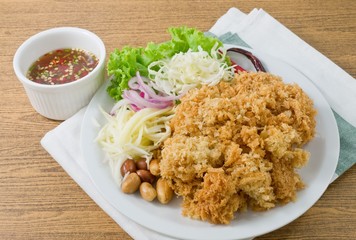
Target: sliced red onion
(141, 95)
(135, 108)
(135, 99)
(133, 84)
(148, 90)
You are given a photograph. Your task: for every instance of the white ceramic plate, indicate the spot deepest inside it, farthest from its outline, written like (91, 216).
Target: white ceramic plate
(167, 219)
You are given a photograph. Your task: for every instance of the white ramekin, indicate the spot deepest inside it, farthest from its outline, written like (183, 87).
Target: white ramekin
(60, 102)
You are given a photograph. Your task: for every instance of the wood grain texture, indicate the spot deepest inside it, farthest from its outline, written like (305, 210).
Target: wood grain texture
(38, 200)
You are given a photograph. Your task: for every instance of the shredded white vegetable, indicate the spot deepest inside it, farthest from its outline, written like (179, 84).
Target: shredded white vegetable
(130, 135)
(188, 70)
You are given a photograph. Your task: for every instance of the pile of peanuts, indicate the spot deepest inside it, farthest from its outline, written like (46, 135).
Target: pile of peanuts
(139, 177)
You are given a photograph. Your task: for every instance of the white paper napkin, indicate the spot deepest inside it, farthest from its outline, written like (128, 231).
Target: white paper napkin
(63, 142)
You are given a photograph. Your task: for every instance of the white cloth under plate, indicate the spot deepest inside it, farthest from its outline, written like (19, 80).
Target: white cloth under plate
(63, 142)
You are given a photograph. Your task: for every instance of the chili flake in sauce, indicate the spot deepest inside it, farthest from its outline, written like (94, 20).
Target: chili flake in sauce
(62, 66)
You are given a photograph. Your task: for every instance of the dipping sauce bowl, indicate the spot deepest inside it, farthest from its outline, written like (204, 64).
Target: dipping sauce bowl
(60, 101)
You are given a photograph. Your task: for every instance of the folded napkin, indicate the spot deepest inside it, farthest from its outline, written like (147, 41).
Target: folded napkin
(257, 30)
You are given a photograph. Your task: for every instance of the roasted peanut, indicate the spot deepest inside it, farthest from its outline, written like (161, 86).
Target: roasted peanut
(146, 176)
(128, 166)
(147, 191)
(164, 191)
(154, 167)
(131, 183)
(141, 164)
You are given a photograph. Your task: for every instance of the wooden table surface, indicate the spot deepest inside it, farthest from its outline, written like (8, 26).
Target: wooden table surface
(38, 200)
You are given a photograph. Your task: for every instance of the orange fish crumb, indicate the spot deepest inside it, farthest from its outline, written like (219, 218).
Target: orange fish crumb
(236, 145)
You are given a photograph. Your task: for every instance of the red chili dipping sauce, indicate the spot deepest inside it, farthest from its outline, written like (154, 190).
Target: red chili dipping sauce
(62, 66)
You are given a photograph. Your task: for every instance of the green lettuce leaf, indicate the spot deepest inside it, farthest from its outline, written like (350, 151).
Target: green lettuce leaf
(123, 64)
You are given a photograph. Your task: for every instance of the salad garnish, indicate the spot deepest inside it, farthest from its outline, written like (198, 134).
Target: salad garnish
(133, 135)
(123, 64)
(147, 83)
(184, 71)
